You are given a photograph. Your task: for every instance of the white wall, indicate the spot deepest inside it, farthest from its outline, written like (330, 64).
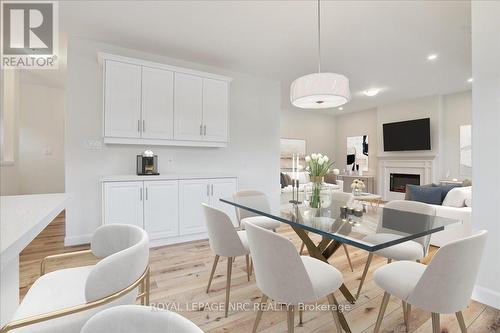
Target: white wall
(316, 128)
(457, 111)
(253, 153)
(356, 124)
(41, 139)
(486, 143)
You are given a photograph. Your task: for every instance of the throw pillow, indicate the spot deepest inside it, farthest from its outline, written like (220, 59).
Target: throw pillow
(457, 196)
(425, 194)
(288, 180)
(330, 178)
(445, 189)
(408, 194)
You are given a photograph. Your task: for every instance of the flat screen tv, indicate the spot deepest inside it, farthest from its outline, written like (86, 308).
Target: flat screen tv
(408, 135)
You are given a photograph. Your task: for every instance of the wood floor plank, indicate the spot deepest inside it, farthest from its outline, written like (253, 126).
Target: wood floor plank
(179, 277)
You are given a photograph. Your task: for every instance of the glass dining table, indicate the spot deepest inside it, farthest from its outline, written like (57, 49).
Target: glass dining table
(340, 223)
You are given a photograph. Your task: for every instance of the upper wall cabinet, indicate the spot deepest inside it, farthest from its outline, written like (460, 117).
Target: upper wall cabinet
(155, 104)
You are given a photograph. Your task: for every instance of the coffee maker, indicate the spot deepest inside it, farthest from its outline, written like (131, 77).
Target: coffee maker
(147, 164)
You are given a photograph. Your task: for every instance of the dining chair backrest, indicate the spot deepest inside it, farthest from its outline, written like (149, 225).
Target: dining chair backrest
(253, 198)
(125, 252)
(222, 237)
(136, 318)
(343, 197)
(393, 222)
(279, 271)
(447, 283)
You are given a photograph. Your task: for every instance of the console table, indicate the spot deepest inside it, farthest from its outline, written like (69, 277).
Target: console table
(368, 180)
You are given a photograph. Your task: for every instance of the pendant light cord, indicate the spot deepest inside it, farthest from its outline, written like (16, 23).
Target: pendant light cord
(319, 37)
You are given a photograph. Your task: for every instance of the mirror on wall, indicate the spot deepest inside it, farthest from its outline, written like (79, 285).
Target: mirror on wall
(466, 150)
(357, 152)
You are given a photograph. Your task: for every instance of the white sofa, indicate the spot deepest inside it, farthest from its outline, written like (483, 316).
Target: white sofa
(286, 193)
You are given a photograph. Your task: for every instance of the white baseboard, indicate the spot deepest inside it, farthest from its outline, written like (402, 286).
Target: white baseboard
(486, 296)
(77, 240)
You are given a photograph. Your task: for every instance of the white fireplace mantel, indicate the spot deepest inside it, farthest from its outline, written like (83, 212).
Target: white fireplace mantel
(422, 167)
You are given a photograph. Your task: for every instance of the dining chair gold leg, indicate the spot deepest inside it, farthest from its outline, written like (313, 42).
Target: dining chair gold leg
(436, 326)
(383, 307)
(251, 266)
(348, 257)
(142, 288)
(334, 309)
(301, 317)
(365, 271)
(406, 315)
(263, 302)
(290, 318)
(302, 248)
(389, 260)
(461, 321)
(247, 257)
(228, 284)
(148, 286)
(343, 321)
(214, 266)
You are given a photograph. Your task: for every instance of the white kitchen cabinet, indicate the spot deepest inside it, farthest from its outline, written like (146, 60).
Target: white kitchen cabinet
(122, 100)
(161, 208)
(188, 107)
(223, 188)
(157, 104)
(192, 193)
(215, 110)
(148, 103)
(123, 203)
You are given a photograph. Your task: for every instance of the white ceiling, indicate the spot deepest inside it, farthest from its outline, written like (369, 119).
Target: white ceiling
(380, 44)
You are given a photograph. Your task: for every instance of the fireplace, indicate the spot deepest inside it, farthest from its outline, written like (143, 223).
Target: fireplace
(399, 181)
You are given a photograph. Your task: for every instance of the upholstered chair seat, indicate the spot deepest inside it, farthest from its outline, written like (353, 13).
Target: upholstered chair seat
(138, 319)
(258, 200)
(410, 250)
(261, 221)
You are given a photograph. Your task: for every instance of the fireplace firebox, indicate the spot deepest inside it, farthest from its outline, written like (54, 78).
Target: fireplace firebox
(400, 180)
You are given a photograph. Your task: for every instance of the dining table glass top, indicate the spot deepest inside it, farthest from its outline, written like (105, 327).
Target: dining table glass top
(354, 223)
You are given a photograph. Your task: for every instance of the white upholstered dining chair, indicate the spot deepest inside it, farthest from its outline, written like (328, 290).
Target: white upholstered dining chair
(62, 301)
(225, 241)
(340, 197)
(258, 200)
(287, 277)
(444, 286)
(414, 250)
(138, 319)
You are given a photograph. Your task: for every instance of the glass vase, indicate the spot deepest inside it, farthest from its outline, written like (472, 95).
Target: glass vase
(318, 195)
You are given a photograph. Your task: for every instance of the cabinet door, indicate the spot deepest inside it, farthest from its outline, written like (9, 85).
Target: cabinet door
(215, 110)
(161, 208)
(223, 188)
(123, 203)
(157, 104)
(122, 100)
(192, 193)
(188, 107)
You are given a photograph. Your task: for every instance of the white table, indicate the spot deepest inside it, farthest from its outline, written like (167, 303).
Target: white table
(22, 218)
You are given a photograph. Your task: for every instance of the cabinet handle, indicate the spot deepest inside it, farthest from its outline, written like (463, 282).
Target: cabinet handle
(201, 129)
(141, 193)
(212, 189)
(146, 193)
(138, 125)
(144, 125)
(204, 129)
(208, 190)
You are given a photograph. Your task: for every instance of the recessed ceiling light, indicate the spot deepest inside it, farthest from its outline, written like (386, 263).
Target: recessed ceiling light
(432, 57)
(470, 80)
(341, 108)
(371, 92)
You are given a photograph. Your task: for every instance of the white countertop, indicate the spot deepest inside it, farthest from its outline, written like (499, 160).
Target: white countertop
(166, 176)
(23, 217)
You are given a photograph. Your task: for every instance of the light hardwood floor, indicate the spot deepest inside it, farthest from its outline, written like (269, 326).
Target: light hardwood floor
(180, 275)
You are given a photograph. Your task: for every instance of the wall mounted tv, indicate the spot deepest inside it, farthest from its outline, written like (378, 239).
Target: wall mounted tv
(408, 135)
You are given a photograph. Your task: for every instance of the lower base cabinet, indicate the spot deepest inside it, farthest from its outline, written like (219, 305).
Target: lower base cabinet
(169, 210)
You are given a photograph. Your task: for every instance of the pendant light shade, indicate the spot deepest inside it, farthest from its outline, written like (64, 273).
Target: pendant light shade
(320, 91)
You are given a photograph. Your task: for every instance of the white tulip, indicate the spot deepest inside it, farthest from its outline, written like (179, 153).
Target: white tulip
(326, 158)
(314, 156)
(336, 172)
(321, 161)
(319, 155)
(308, 159)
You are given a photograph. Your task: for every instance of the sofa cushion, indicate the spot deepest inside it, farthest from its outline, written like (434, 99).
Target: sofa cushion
(425, 194)
(446, 188)
(457, 197)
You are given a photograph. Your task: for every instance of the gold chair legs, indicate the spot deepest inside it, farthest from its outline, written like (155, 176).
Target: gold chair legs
(216, 260)
(406, 315)
(336, 318)
(247, 258)
(228, 284)
(365, 271)
(290, 318)
(436, 325)
(383, 307)
(263, 302)
(348, 257)
(461, 321)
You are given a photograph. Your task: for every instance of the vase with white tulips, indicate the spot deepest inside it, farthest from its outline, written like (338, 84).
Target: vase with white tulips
(357, 186)
(318, 166)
